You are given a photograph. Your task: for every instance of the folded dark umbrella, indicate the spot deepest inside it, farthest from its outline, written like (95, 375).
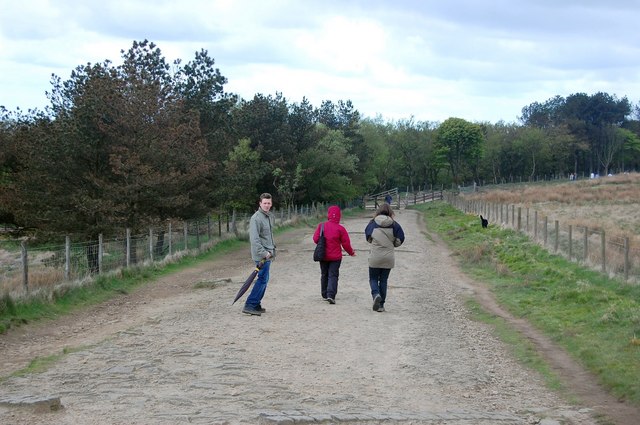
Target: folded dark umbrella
(247, 283)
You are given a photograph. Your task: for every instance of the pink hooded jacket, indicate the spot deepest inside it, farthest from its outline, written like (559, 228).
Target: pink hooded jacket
(336, 235)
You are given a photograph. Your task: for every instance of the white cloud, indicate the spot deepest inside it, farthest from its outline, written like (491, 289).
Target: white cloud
(427, 59)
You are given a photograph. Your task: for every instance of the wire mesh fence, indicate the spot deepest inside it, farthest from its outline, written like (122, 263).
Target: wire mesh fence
(30, 268)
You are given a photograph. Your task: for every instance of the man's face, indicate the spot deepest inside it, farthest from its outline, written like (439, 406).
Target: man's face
(265, 204)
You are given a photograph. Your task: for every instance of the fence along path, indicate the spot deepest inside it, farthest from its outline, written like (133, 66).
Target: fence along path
(32, 270)
(612, 255)
(401, 200)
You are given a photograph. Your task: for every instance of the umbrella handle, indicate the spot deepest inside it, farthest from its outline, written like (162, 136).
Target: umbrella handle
(259, 265)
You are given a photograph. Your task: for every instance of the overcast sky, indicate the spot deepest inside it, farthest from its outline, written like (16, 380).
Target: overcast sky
(426, 59)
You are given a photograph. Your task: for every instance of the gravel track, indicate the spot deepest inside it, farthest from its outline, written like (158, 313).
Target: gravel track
(176, 351)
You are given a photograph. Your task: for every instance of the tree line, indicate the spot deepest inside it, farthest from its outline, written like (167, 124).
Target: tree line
(133, 145)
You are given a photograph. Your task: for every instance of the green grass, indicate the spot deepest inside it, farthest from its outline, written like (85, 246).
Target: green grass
(41, 364)
(595, 318)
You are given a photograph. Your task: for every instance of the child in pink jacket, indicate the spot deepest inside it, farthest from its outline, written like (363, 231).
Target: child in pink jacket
(337, 238)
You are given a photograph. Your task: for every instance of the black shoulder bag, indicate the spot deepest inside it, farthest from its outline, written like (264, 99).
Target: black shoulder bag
(318, 253)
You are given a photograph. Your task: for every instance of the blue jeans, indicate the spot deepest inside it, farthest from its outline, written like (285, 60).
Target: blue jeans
(259, 287)
(378, 281)
(329, 274)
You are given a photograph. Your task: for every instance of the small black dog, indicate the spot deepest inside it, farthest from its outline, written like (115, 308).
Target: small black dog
(485, 222)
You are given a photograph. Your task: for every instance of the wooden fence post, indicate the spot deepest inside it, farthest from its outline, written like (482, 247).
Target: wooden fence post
(100, 252)
(626, 258)
(570, 242)
(535, 225)
(25, 266)
(586, 243)
(186, 235)
(150, 244)
(127, 247)
(67, 257)
(546, 230)
(603, 244)
(170, 239)
(555, 245)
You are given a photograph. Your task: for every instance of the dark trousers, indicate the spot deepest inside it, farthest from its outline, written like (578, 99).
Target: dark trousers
(378, 279)
(329, 274)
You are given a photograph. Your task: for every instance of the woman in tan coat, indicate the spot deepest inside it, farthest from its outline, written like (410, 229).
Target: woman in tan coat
(384, 234)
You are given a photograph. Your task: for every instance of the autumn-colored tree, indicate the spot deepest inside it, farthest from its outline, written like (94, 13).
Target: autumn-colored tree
(201, 86)
(119, 151)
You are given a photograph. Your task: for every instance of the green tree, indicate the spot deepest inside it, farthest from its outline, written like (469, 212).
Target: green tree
(344, 117)
(629, 153)
(461, 143)
(287, 183)
(414, 155)
(302, 123)
(497, 139)
(377, 167)
(532, 144)
(265, 121)
(430, 163)
(328, 168)
(587, 118)
(243, 170)
(405, 143)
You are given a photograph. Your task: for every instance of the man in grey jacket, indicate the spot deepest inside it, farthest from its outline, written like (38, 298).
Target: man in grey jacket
(262, 249)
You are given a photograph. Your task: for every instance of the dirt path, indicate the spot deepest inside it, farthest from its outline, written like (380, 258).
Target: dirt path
(174, 352)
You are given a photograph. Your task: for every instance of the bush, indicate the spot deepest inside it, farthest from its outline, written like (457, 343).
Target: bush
(7, 306)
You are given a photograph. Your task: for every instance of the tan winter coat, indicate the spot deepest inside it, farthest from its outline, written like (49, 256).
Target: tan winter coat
(385, 235)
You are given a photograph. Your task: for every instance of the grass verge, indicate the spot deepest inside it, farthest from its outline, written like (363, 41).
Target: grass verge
(595, 318)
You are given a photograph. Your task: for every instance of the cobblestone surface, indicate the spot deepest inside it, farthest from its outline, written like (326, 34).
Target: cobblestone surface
(190, 357)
